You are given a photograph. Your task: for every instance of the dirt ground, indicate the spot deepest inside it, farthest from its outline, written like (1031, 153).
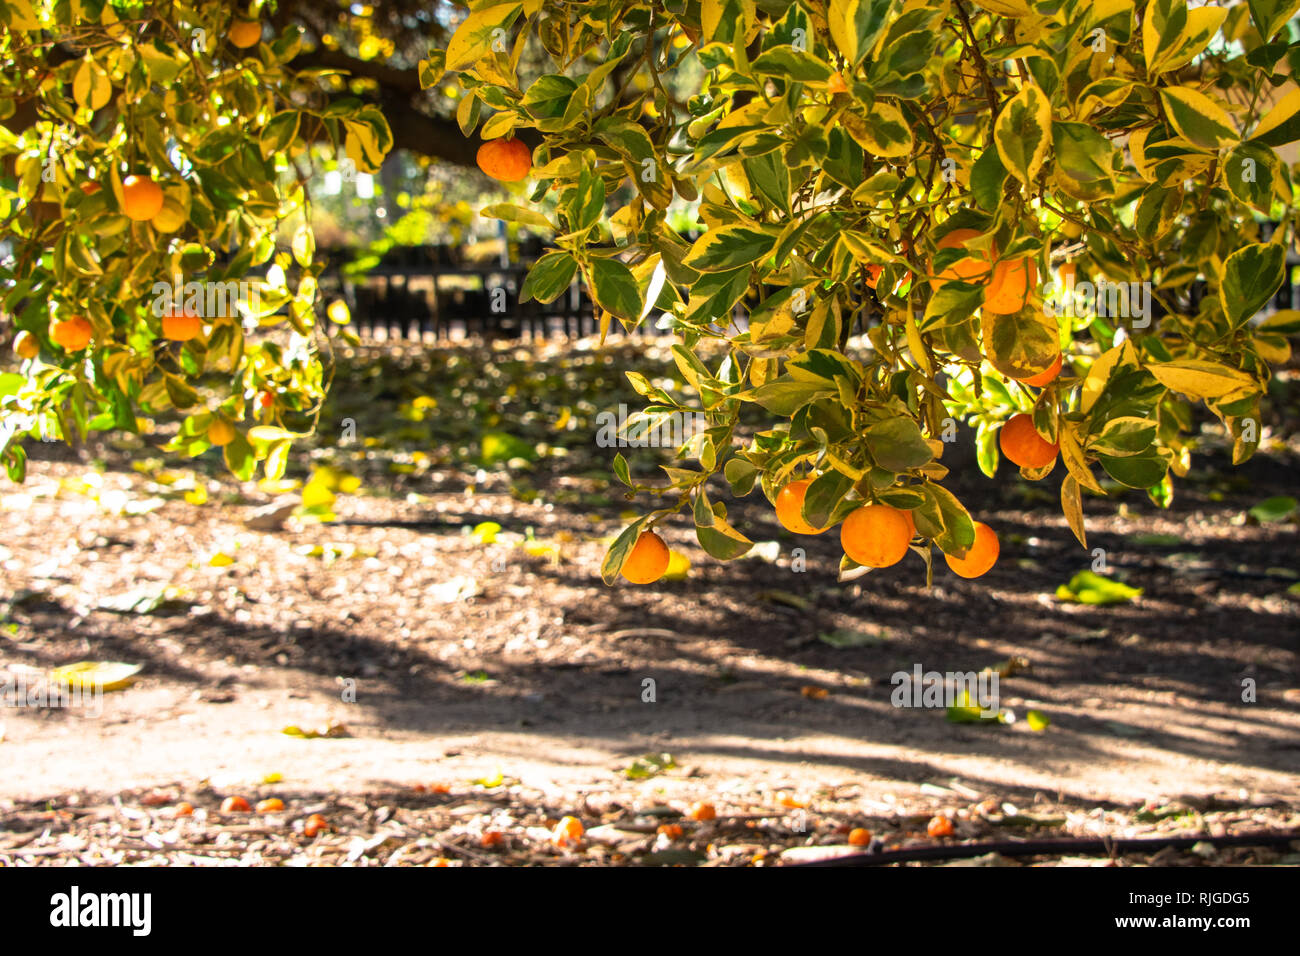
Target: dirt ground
(498, 690)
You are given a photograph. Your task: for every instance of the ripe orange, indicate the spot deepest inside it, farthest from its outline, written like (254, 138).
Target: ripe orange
(836, 84)
(789, 507)
(221, 432)
(1067, 271)
(272, 805)
(491, 838)
(648, 560)
(940, 826)
(26, 346)
(702, 811)
(315, 824)
(859, 837)
(183, 809)
(180, 326)
(875, 536)
(568, 831)
(245, 33)
(1022, 444)
(983, 554)
(1047, 376)
(911, 523)
(235, 805)
(71, 334)
(1010, 286)
(508, 160)
(974, 268)
(670, 830)
(142, 198)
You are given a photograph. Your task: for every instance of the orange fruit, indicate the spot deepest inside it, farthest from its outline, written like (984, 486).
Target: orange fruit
(272, 805)
(71, 334)
(508, 160)
(221, 432)
(1009, 288)
(568, 831)
(789, 507)
(983, 554)
(940, 826)
(441, 861)
(836, 84)
(235, 805)
(491, 838)
(180, 326)
(1068, 271)
(315, 824)
(648, 560)
(142, 198)
(26, 346)
(702, 811)
(183, 809)
(1022, 444)
(975, 268)
(245, 33)
(859, 837)
(875, 536)
(911, 523)
(670, 830)
(1047, 376)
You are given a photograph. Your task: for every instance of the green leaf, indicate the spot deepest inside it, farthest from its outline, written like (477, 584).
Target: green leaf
(1124, 436)
(784, 397)
(722, 541)
(1082, 153)
(1251, 276)
(1136, 471)
(1281, 125)
(1198, 119)
(549, 277)
(614, 288)
(1087, 587)
(728, 248)
(1270, 16)
(1274, 509)
(279, 133)
(855, 25)
(897, 444)
(1022, 133)
(786, 63)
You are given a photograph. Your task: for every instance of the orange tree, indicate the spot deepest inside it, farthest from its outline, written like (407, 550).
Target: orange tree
(926, 173)
(978, 189)
(153, 168)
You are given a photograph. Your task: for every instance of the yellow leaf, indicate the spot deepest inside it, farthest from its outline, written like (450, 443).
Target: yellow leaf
(1199, 379)
(316, 495)
(96, 675)
(1099, 374)
(474, 37)
(91, 86)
